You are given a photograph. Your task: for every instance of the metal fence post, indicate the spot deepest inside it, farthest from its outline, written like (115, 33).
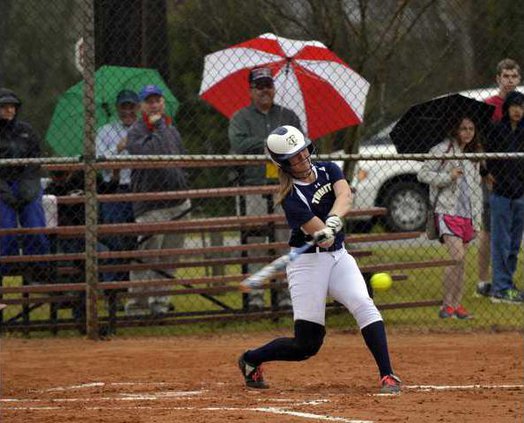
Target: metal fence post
(90, 172)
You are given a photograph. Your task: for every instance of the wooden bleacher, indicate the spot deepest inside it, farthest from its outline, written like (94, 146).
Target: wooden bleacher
(34, 296)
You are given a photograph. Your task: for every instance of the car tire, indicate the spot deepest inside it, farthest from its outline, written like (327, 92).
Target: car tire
(407, 205)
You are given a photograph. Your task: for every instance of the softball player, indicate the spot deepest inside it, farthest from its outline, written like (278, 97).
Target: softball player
(315, 198)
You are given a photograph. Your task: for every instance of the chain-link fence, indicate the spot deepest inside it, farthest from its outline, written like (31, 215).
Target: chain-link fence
(147, 122)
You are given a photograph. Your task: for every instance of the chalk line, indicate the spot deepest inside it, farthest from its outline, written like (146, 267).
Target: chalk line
(269, 410)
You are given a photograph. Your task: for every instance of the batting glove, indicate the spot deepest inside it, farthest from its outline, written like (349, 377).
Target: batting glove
(325, 237)
(334, 222)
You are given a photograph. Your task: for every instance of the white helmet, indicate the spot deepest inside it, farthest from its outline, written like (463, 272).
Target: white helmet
(285, 142)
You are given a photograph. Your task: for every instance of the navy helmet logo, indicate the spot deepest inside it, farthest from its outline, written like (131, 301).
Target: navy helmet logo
(292, 140)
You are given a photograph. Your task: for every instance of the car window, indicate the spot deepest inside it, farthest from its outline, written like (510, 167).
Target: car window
(380, 138)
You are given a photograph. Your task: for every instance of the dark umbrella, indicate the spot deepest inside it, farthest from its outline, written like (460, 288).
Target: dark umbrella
(426, 124)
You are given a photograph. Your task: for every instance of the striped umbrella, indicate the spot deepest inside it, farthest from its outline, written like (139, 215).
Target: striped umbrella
(324, 92)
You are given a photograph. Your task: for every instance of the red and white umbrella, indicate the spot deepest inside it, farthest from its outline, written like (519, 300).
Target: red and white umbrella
(324, 92)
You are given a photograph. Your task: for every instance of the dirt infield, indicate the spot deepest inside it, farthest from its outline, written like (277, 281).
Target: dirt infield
(474, 377)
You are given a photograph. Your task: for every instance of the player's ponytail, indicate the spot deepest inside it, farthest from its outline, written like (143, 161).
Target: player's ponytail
(286, 184)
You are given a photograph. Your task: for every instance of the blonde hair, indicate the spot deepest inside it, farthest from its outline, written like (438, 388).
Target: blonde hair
(286, 184)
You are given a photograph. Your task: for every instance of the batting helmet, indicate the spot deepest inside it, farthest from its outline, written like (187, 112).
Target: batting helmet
(286, 142)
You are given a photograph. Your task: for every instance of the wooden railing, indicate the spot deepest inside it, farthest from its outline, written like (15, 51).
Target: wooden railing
(28, 298)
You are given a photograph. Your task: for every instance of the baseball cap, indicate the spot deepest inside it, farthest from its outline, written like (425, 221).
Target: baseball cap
(150, 90)
(260, 74)
(127, 96)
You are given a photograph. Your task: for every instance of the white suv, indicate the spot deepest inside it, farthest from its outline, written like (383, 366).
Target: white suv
(393, 184)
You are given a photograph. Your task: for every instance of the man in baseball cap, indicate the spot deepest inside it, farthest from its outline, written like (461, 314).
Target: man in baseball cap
(248, 130)
(111, 140)
(153, 134)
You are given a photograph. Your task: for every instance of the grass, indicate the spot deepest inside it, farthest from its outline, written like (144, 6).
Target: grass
(422, 284)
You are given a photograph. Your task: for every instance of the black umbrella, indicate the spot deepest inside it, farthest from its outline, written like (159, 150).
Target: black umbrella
(426, 124)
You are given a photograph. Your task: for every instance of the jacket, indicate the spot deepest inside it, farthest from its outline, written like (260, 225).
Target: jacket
(248, 130)
(19, 141)
(161, 138)
(436, 173)
(508, 174)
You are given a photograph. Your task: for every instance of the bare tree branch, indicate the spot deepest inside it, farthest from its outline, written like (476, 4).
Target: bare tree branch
(410, 28)
(278, 10)
(394, 21)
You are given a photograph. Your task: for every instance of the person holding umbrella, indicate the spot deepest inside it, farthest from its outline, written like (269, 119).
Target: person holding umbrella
(248, 129)
(455, 191)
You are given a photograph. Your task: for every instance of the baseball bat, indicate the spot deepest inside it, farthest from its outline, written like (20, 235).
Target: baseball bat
(257, 279)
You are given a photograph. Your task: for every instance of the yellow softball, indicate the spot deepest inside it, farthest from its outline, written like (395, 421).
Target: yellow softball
(381, 281)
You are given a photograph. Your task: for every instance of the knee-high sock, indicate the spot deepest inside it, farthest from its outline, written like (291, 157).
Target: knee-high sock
(306, 343)
(375, 338)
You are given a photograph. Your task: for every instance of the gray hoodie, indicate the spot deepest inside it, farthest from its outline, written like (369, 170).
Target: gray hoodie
(437, 175)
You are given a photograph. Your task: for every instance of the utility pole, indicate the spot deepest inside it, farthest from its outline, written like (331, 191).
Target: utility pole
(132, 33)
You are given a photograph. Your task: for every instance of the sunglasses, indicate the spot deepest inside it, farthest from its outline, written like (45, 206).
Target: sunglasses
(262, 85)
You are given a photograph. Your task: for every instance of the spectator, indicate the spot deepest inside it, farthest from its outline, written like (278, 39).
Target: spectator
(508, 78)
(507, 199)
(455, 190)
(153, 134)
(20, 188)
(248, 130)
(112, 140)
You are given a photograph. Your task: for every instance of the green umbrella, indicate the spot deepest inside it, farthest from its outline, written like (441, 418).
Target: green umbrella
(65, 134)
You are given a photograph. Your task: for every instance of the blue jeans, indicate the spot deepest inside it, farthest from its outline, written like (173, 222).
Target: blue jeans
(30, 215)
(118, 213)
(507, 225)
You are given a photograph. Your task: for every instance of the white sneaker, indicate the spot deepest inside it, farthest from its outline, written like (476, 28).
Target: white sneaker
(133, 310)
(158, 308)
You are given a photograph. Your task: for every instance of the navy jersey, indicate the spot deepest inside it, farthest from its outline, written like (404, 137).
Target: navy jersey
(306, 201)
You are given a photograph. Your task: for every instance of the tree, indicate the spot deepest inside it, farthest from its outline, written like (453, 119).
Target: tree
(36, 55)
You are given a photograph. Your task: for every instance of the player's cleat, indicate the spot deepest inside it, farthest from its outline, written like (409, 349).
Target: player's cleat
(483, 289)
(252, 374)
(509, 296)
(446, 312)
(462, 314)
(390, 384)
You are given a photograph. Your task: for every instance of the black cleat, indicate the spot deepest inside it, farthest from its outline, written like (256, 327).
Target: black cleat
(252, 374)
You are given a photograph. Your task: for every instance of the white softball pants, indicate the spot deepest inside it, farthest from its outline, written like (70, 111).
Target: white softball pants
(314, 277)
